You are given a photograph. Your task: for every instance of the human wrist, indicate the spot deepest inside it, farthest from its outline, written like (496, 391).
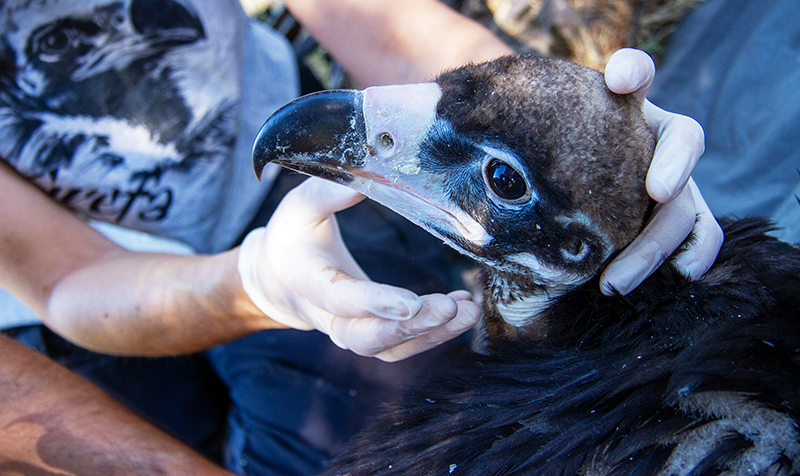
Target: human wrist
(248, 262)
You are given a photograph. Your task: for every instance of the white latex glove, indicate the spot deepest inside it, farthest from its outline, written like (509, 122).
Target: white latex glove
(298, 271)
(681, 209)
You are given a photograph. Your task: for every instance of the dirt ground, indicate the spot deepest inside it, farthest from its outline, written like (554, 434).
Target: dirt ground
(584, 31)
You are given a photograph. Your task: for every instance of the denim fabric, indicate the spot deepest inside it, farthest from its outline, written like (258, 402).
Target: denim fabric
(734, 65)
(296, 397)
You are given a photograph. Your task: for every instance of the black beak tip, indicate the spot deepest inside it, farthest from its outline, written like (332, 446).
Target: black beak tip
(318, 122)
(260, 157)
(259, 171)
(265, 147)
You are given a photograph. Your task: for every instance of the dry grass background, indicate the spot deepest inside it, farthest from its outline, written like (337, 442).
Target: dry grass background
(584, 31)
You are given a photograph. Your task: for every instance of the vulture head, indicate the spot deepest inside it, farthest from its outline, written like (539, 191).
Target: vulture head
(528, 165)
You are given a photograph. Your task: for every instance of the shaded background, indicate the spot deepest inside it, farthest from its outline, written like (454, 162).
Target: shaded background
(584, 31)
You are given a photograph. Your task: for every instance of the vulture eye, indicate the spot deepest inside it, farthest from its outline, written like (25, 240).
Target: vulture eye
(54, 43)
(506, 182)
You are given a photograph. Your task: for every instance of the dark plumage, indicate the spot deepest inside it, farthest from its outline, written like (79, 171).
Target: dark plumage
(534, 169)
(676, 378)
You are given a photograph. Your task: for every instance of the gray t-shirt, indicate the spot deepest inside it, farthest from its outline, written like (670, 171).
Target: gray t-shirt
(141, 114)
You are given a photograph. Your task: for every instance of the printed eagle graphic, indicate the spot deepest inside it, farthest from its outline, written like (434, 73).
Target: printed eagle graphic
(93, 93)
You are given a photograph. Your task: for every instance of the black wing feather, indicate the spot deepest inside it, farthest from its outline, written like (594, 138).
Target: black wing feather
(605, 393)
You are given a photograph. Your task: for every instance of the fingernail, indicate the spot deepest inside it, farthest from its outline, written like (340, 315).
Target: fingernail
(606, 287)
(660, 190)
(402, 310)
(630, 268)
(689, 265)
(618, 282)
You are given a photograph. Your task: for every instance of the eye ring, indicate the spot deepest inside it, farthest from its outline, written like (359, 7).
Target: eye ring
(575, 250)
(505, 181)
(54, 43)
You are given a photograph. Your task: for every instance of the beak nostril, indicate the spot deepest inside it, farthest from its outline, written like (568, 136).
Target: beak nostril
(386, 140)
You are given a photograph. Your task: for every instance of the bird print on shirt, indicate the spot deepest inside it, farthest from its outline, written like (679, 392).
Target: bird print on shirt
(97, 96)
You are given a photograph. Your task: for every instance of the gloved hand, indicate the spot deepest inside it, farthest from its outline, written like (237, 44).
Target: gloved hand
(681, 209)
(298, 271)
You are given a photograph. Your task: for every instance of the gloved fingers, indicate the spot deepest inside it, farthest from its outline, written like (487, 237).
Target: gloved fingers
(681, 209)
(680, 139)
(305, 290)
(373, 336)
(680, 143)
(702, 250)
(316, 199)
(460, 295)
(630, 71)
(346, 297)
(303, 237)
(317, 279)
(671, 223)
(468, 316)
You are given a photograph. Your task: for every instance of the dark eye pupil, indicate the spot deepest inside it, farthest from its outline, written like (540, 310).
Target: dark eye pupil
(55, 42)
(505, 181)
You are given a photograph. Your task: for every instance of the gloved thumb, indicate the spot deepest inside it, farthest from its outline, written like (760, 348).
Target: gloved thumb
(316, 198)
(630, 71)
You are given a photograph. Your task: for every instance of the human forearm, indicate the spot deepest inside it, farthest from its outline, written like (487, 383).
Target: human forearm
(154, 304)
(54, 422)
(391, 42)
(109, 299)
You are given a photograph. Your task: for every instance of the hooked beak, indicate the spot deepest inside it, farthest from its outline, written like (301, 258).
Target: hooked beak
(370, 141)
(151, 29)
(321, 134)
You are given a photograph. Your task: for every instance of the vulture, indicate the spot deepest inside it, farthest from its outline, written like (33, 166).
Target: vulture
(535, 170)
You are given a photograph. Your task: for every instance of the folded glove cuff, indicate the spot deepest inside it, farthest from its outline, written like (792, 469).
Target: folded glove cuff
(248, 265)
